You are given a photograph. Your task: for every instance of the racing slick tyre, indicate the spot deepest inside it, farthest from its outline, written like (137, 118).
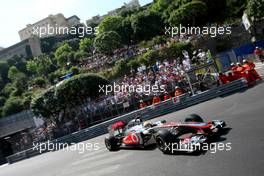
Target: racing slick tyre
(111, 143)
(164, 140)
(193, 118)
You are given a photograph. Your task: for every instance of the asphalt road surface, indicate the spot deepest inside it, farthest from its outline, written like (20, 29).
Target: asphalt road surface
(242, 111)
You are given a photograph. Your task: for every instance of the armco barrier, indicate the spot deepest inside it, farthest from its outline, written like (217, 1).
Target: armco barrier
(148, 113)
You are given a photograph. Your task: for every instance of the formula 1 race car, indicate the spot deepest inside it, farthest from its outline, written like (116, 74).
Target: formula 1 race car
(169, 136)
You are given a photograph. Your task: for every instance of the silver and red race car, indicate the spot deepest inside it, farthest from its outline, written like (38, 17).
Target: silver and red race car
(169, 137)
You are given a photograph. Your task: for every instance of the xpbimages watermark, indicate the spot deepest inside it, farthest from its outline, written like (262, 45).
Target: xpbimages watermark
(49, 30)
(183, 147)
(80, 147)
(125, 88)
(189, 30)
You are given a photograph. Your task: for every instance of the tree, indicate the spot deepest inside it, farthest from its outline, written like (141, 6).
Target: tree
(15, 74)
(255, 8)
(190, 13)
(62, 54)
(46, 105)
(86, 45)
(32, 66)
(12, 105)
(147, 24)
(161, 5)
(77, 89)
(19, 62)
(111, 23)
(39, 81)
(52, 103)
(118, 24)
(41, 65)
(73, 43)
(107, 42)
(79, 55)
(127, 33)
(8, 89)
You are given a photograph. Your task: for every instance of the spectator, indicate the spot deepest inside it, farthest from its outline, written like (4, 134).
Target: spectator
(223, 78)
(230, 77)
(178, 91)
(156, 100)
(142, 104)
(250, 67)
(167, 96)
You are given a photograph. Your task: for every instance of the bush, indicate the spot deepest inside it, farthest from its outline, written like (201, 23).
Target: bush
(189, 14)
(13, 105)
(39, 81)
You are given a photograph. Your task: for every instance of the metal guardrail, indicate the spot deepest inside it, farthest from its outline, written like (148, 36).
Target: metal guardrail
(148, 113)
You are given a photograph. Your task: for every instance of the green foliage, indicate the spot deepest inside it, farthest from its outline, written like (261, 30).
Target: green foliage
(161, 5)
(86, 45)
(20, 86)
(41, 65)
(126, 32)
(118, 24)
(189, 14)
(80, 55)
(73, 43)
(120, 68)
(19, 62)
(127, 12)
(155, 41)
(147, 24)
(111, 23)
(133, 63)
(15, 74)
(27, 97)
(75, 70)
(76, 90)
(255, 8)
(70, 93)
(63, 54)
(39, 81)
(47, 105)
(149, 57)
(107, 42)
(7, 89)
(12, 105)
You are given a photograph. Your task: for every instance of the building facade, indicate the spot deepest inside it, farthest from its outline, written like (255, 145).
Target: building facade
(26, 48)
(52, 21)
